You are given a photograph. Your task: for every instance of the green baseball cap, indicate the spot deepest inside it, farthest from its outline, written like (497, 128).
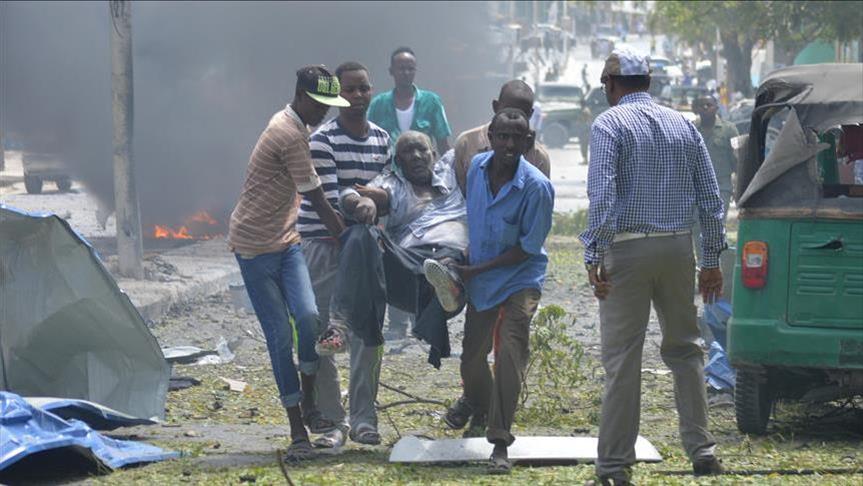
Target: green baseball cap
(321, 86)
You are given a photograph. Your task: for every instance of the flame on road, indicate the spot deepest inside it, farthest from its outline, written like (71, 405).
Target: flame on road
(199, 226)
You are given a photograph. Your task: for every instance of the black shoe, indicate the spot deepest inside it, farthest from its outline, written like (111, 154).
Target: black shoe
(707, 466)
(478, 424)
(459, 413)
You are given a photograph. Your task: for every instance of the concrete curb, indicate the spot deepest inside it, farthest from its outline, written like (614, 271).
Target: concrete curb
(201, 271)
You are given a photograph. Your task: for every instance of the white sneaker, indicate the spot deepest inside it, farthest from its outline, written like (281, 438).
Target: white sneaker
(447, 285)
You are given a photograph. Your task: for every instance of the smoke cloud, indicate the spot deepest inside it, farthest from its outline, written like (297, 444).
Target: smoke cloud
(207, 77)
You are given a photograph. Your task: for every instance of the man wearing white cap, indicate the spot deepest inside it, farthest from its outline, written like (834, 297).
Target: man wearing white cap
(648, 168)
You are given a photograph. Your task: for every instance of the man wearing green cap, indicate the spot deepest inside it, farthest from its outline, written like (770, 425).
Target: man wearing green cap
(262, 234)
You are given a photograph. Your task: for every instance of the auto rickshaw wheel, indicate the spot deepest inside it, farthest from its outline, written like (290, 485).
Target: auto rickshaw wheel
(64, 184)
(33, 184)
(753, 401)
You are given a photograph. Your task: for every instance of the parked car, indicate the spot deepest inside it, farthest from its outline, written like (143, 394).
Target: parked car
(797, 325)
(40, 167)
(561, 111)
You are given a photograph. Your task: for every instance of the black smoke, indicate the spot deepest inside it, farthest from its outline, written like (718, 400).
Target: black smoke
(207, 77)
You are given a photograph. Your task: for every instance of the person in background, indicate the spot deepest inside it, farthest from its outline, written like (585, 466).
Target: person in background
(262, 234)
(407, 107)
(648, 168)
(509, 211)
(347, 150)
(717, 134)
(513, 94)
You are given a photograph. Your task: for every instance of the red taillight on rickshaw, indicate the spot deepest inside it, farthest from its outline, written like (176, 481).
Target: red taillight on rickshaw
(754, 264)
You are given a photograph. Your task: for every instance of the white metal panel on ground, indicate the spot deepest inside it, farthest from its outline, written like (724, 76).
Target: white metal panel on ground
(558, 450)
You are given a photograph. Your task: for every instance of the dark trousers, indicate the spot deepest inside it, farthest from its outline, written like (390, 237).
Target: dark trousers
(374, 271)
(506, 329)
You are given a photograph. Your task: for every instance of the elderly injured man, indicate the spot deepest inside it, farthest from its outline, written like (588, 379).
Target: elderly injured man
(426, 219)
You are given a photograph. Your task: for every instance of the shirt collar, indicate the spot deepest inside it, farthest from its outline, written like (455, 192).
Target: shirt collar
(438, 181)
(637, 97)
(293, 115)
(520, 171)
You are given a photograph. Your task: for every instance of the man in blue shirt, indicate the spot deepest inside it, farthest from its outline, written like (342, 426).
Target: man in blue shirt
(649, 168)
(509, 210)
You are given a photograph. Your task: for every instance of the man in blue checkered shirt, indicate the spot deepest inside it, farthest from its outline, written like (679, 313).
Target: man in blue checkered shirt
(648, 168)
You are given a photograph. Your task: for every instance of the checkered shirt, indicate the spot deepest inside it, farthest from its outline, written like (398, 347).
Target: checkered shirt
(648, 168)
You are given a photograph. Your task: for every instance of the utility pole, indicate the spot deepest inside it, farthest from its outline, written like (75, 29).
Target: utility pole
(130, 250)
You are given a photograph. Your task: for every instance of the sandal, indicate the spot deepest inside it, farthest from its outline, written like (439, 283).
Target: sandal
(317, 423)
(499, 464)
(331, 440)
(332, 341)
(365, 434)
(299, 450)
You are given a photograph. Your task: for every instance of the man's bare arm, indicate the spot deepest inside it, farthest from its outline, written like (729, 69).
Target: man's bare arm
(363, 209)
(329, 216)
(376, 194)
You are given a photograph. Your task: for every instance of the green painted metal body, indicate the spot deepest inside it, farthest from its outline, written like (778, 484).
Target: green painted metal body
(810, 312)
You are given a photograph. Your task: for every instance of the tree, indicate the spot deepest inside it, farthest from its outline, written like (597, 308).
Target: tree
(742, 24)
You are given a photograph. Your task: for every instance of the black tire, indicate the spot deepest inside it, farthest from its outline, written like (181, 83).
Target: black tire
(33, 184)
(64, 184)
(555, 135)
(753, 402)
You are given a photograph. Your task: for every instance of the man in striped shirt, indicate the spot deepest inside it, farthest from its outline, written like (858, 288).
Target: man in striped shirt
(348, 150)
(263, 235)
(648, 168)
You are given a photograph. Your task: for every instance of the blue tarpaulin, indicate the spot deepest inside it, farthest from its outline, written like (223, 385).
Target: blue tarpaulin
(93, 414)
(27, 432)
(718, 371)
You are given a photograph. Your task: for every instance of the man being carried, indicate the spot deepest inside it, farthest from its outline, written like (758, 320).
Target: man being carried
(509, 209)
(514, 94)
(263, 235)
(346, 151)
(426, 221)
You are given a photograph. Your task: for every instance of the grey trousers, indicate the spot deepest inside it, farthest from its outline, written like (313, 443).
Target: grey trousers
(658, 271)
(506, 329)
(322, 258)
(400, 322)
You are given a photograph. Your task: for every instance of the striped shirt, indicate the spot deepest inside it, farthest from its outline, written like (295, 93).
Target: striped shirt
(264, 219)
(648, 168)
(341, 161)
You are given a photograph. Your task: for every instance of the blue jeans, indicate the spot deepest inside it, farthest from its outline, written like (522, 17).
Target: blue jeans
(279, 283)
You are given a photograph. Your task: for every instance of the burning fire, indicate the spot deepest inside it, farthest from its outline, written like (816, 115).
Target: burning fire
(199, 226)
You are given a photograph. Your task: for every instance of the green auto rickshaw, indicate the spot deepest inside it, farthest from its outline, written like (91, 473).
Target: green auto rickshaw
(797, 325)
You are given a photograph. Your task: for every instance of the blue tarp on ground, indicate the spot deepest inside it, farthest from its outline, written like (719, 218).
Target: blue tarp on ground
(718, 371)
(27, 431)
(93, 414)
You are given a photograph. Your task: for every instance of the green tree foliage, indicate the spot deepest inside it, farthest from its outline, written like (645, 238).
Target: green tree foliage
(742, 24)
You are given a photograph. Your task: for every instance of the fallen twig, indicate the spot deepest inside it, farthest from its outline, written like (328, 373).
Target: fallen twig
(392, 422)
(281, 460)
(408, 402)
(767, 472)
(414, 397)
